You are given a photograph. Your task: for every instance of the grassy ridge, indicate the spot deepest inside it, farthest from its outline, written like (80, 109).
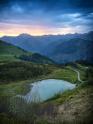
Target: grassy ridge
(9, 52)
(8, 49)
(12, 53)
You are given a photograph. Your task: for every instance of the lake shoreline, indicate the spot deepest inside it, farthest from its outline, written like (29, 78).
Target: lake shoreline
(50, 86)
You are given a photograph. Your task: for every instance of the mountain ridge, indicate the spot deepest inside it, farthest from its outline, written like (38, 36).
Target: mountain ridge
(48, 44)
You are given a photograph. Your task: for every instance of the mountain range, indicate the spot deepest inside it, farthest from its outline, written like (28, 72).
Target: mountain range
(60, 48)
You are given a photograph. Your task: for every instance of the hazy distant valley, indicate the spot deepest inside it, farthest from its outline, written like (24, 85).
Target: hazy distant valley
(60, 48)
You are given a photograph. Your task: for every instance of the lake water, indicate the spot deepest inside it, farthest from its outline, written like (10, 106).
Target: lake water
(45, 89)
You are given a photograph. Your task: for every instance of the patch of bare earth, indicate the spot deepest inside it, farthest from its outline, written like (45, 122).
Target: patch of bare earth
(79, 109)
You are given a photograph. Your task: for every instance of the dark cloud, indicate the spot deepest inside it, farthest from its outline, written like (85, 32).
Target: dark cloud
(50, 13)
(84, 5)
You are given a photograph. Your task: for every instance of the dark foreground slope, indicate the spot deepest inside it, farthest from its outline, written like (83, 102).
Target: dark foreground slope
(71, 107)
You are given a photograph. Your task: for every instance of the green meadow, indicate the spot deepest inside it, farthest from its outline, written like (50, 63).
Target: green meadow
(16, 75)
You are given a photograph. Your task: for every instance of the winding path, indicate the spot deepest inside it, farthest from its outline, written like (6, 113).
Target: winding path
(78, 75)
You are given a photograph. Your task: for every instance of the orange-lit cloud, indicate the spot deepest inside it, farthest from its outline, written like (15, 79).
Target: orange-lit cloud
(16, 29)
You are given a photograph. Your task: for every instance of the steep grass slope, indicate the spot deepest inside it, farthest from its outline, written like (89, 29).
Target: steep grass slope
(9, 52)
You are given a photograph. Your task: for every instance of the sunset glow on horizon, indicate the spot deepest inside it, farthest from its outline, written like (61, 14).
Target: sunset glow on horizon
(42, 17)
(16, 29)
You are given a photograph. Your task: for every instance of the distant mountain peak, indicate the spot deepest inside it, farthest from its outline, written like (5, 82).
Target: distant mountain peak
(24, 35)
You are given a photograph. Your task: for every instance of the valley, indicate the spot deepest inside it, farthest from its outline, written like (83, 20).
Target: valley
(60, 48)
(46, 61)
(20, 68)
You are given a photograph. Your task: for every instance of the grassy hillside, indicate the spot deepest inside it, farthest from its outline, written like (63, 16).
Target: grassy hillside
(6, 48)
(37, 58)
(16, 76)
(74, 106)
(9, 52)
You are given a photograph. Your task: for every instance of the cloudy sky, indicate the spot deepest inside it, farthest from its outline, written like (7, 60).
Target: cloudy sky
(39, 17)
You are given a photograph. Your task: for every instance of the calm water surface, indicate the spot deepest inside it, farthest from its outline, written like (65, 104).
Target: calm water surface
(45, 89)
